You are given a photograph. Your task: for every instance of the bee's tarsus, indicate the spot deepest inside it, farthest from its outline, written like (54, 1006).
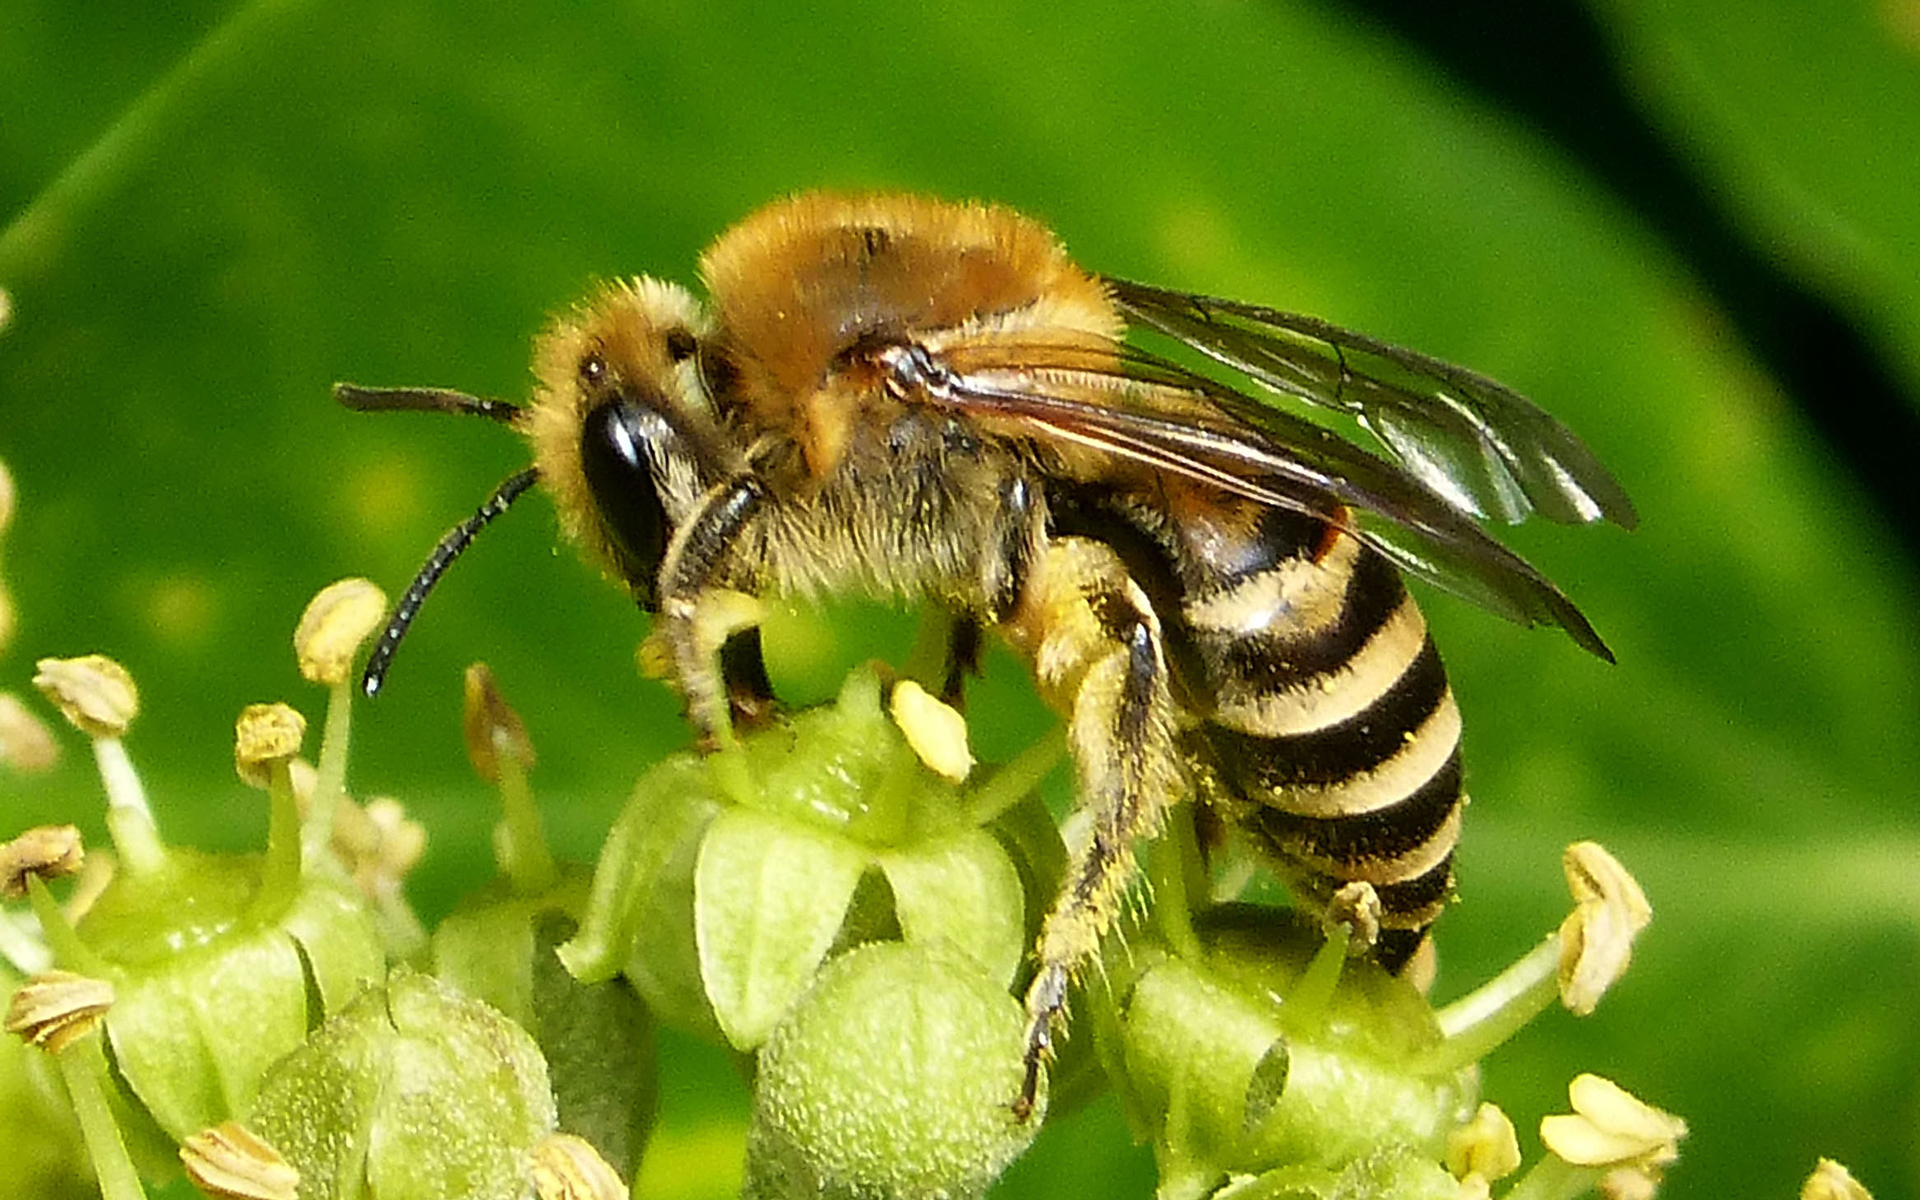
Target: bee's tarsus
(1046, 1004)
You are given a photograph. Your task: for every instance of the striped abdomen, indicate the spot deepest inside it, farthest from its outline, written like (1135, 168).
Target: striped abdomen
(1332, 721)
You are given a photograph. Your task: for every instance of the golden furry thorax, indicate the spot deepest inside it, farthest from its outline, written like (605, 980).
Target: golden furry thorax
(793, 285)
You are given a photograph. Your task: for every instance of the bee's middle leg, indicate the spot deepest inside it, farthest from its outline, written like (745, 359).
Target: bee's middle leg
(965, 644)
(1121, 731)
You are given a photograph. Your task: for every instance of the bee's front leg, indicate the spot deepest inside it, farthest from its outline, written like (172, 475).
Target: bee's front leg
(699, 618)
(1099, 642)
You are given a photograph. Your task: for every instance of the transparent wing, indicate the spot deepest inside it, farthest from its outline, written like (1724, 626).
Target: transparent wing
(1480, 445)
(1131, 405)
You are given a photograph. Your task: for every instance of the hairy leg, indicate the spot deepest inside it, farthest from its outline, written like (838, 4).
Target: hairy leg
(1099, 654)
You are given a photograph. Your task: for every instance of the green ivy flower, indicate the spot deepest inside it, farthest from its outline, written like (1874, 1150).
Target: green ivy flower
(411, 1092)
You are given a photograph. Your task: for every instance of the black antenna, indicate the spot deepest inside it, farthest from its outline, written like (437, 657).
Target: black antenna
(366, 399)
(456, 540)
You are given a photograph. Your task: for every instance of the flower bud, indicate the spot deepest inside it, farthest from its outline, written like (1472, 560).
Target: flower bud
(93, 692)
(333, 627)
(264, 735)
(412, 1092)
(597, 1038)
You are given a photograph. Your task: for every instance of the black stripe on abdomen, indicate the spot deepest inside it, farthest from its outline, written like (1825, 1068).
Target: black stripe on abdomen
(1326, 757)
(1376, 845)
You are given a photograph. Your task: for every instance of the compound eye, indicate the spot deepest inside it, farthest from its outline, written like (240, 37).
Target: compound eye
(619, 442)
(593, 368)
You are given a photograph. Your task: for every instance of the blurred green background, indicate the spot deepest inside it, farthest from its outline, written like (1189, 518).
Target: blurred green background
(216, 211)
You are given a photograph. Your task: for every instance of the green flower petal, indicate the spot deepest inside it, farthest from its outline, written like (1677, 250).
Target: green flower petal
(769, 897)
(966, 891)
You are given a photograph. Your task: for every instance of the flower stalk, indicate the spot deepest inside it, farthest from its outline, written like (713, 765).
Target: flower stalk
(501, 753)
(267, 738)
(1576, 964)
(336, 623)
(60, 1012)
(83, 1068)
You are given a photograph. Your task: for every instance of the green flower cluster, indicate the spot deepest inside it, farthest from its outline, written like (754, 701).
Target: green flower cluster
(844, 900)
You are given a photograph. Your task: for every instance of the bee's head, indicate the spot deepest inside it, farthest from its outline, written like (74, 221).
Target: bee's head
(622, 424)
(622, 431)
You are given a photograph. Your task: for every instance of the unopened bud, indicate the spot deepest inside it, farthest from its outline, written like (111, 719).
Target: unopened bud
(266, 734)
(566, 1167)
(335, 624)
(230, 1160)
(93, 692)
(49, 852)
(26, 744)
(55, 1007)
(491, 727)
(890, 1077)
(936, 730)
(1596, 940)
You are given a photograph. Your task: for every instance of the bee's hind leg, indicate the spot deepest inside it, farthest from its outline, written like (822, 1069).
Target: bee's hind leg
(1100, 653)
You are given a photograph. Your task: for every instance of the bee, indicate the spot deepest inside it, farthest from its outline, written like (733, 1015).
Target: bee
(898, 396)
